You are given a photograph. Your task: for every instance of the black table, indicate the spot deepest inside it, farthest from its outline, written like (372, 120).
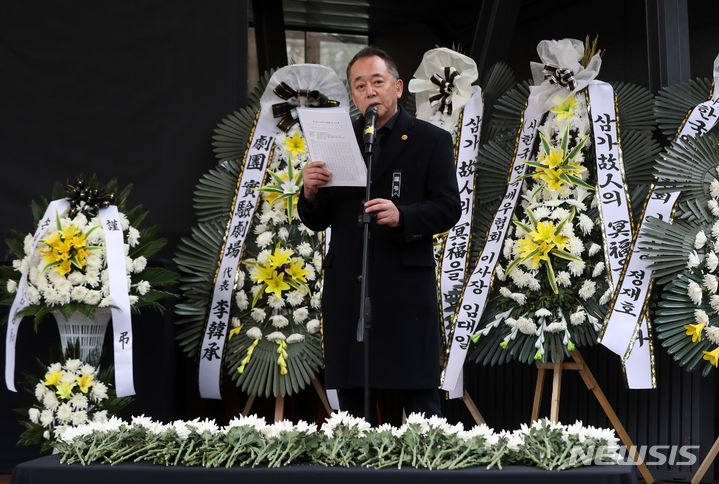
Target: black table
(49, 470)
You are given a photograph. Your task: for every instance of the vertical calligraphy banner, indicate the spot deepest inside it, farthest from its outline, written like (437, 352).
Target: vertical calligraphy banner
(475, 292)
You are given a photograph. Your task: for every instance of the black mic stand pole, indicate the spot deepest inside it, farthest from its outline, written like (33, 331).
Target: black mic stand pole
(365, 314)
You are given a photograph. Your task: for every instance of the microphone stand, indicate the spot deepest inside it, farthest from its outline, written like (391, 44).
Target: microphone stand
(365, 313)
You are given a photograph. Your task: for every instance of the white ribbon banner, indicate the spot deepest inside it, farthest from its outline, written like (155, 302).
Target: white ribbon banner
(613, 198)
(453, 264)
(19, 303)
(244, 206)
(473, 300)
(624, 333)
(120, 300)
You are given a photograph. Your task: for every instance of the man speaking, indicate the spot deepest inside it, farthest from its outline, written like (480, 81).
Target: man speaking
(414, 195)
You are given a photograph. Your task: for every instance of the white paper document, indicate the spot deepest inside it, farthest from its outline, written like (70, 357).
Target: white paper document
(331, 139)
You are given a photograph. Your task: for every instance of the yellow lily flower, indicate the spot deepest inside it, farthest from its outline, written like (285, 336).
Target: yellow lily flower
(52, 379)
(712, 356)
(265, 273)
(84, 382)
(566, 109)
(296, 144)
(276, 285)
(695, 331)
(553, 159)
(64, 389)
(297, 271)
(279, 258)
(64, 267)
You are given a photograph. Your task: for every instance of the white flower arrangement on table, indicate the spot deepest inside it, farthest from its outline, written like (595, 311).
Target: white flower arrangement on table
(279, 285)
(67, 272)
(343, 440)
(70, 393)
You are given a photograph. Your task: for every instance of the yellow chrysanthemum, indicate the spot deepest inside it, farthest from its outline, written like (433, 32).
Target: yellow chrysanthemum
(695, 331)
(566, 109)
(52, 379)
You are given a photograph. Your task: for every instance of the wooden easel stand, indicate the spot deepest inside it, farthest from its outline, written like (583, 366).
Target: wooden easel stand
(706, 463)
(591, 384)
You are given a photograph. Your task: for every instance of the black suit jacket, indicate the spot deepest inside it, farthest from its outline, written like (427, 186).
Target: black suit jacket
(406, 326)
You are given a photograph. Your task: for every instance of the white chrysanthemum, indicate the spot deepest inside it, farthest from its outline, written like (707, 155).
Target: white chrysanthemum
(79, 417)
(276, 336)
(714, 207)
(712, 333)
(714, 302)
(139, 264)
(311, 274)
(588, 289)
(78, 402)
(92, 297)
(241, 300)
(34, 415)
(505, 292)
(606, 297)
(275, 302)
(714, 189)
(598, 269)
(254, 333)
(265, 239)
(313, 325)
(300, 314)
(594, 249)
(711, 283)
(700, 316)
(283, 233)
(499, 272)
(715, 229)
(75, 278)
(72, 364)
(41, 390)
(11, 286)
(235, 322)
(694, 291)
(133, 236)
(64, 413)
(262, 258)
(99, 417)
(315, 300)
(258, 314)
(526, 326)
(317, 261)
(304, 249)
(563, 279)
(46, 418)
(98, 391)
(508, 248)
(576, 267)
(586, 224)
(143, 287)
(519, 298)
(279, 321)
(576, 246)
(533, 284)
(542, 313)
(555, 327)
(578, 317)
(711, 261)
(295, 297)
(700, 240)
(133, 300)
(511, 322)
(295, 338)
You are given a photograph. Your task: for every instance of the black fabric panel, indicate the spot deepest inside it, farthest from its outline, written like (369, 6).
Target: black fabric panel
(48, 470)
(130, 90)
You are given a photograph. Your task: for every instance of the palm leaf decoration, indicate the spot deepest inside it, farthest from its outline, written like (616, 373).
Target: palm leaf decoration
(673, 102)
(639, 150)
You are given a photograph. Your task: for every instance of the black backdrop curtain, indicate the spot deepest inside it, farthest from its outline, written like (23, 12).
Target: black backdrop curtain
(130, 90)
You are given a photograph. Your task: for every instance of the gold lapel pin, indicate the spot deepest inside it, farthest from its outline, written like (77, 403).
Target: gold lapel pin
(404, 137)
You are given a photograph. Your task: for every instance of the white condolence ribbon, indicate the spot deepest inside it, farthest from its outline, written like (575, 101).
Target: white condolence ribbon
(627, 326)
(476, 289)
(455, 251)
(20, 302)
(120, 300)
(243, 209)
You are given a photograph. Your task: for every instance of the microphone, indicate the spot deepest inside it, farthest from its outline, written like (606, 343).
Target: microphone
(370, 119)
